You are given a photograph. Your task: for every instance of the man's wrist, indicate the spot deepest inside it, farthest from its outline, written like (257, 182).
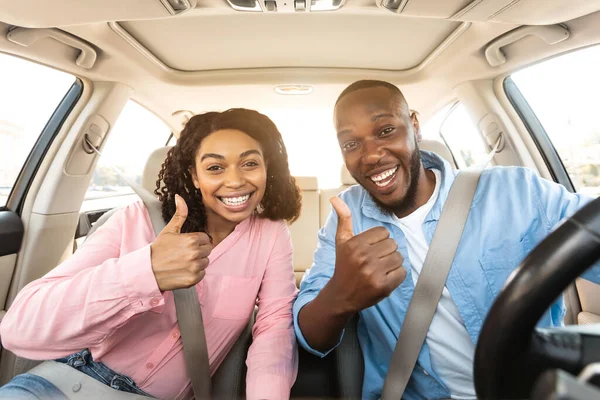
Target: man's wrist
(339, 304)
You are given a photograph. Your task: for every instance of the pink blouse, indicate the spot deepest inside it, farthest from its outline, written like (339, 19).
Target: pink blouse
(105, 298)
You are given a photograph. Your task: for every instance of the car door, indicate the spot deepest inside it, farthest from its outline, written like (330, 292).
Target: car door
(558, 101)
(34, 104)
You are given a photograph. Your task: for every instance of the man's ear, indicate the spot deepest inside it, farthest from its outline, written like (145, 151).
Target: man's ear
(414, 118)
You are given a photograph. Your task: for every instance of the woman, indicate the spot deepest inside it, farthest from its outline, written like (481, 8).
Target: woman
(225, 190)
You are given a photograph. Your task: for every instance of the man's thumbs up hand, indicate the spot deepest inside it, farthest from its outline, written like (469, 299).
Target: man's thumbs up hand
(368, 266)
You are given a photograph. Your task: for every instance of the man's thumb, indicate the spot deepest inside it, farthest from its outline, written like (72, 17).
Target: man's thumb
(344, 228)
(178, 219)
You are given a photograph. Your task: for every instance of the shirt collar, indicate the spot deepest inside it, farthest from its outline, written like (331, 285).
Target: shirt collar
(430, 160)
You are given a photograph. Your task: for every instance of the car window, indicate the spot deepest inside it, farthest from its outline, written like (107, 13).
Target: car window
(563, 94)
(311, 143)
(30, 95)
(430, 129)
(136, 134)
(453, 126)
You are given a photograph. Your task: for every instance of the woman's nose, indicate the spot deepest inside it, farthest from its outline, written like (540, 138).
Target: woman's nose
(234, 178)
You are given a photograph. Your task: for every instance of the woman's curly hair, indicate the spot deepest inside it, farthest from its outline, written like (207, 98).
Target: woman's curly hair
(282, 199)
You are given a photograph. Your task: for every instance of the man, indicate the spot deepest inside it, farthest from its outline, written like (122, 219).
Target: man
(371, 249)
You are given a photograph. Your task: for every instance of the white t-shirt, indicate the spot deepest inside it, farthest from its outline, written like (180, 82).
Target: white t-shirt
(451, 348)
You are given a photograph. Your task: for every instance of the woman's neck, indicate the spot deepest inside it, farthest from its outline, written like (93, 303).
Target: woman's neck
(218, 227)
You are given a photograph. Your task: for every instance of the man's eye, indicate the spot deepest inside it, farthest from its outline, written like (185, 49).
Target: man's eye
(349, 146)
(387, 131)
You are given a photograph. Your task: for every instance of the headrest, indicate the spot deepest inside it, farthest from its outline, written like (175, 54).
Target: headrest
(307, 182)
(152, 168)
(346, 178)
(439, 148)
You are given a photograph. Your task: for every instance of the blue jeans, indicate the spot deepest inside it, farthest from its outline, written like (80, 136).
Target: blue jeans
(29, 386)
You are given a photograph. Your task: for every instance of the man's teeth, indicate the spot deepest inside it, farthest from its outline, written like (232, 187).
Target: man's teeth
(381, 179)
(235, 201)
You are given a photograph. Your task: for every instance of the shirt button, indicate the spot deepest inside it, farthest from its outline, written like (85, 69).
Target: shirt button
(149, 365)
(425, 372)
(154, 302)
(175, 335)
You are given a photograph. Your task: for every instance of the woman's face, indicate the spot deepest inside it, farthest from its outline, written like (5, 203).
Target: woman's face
(231, 174)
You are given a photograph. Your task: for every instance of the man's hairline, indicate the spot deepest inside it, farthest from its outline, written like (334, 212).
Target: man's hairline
(402, 101)
(397, 96)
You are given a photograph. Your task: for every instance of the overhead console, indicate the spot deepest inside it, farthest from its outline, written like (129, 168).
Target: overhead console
(286, 6)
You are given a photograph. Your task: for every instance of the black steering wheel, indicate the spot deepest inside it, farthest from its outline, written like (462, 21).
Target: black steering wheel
(500, 369)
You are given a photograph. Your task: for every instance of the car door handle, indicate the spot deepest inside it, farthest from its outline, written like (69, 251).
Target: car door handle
(550, 34)
(28, 36)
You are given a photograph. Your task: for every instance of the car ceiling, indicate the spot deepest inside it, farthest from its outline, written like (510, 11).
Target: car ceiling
(214, 57)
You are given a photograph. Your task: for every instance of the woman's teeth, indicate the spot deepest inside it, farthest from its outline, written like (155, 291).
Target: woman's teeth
(235, 201)
(382, 179)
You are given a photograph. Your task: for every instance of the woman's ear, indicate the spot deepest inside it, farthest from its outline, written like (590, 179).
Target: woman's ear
(414, 118)
(192, 172)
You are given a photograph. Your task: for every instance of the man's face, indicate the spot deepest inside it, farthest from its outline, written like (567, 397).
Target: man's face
(377, 137)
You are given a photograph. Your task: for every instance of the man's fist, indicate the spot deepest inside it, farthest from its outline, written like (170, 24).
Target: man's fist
(368, 266)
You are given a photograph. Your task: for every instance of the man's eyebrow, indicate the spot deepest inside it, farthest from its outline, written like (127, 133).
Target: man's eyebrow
(380, 116)
(344, 132)
(212, 155)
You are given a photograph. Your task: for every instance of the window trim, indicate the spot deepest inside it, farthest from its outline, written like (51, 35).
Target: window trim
(448, 113)
(169, 139)
(538, 134)
(18, 193)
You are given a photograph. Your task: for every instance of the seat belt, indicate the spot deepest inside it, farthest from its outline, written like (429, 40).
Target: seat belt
(431, 282)
(187, 306)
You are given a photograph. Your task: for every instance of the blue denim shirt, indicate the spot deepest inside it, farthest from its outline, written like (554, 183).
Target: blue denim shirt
(512, 211)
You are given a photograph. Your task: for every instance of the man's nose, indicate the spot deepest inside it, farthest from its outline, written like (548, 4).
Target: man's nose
(372, 153)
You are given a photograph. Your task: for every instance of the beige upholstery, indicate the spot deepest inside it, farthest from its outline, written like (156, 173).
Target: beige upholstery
(588, 318)
(346, 178)
(589, 297)
(324, 204)
(152, 168)
(304, 230)
(439, 148)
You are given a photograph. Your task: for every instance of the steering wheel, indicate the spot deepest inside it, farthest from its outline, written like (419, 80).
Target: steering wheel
(500, 369)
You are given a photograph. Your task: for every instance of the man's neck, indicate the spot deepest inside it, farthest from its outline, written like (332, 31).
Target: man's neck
(425, 189)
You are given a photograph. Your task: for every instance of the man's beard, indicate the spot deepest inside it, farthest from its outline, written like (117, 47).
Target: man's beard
(407, 203)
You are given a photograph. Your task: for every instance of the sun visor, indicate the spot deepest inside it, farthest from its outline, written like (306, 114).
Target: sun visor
(61, 13)
(526, 12)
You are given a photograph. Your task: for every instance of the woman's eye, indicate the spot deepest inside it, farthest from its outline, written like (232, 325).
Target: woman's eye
(387, 131)
(251, 164)
(214, 168)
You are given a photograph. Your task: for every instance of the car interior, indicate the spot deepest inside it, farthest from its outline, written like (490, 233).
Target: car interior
(514, 82)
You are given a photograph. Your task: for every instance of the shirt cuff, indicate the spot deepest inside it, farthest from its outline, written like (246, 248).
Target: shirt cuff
(139, 281)
(301, 302)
